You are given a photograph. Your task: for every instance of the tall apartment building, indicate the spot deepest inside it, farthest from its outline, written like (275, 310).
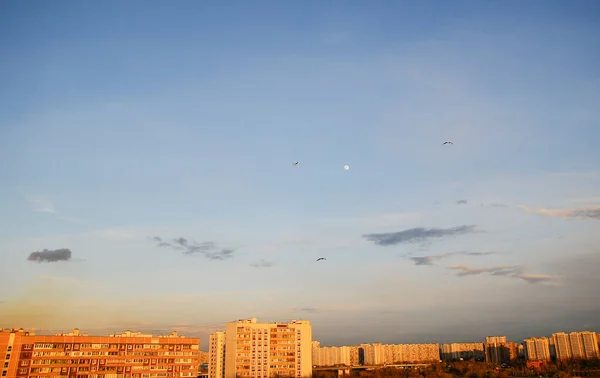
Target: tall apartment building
(261, 350)
(465, 351)
(537, 348)
(216, 355)
(127, 355)
(497, 349)
(590, 346)
(374, 354)
(561, 344)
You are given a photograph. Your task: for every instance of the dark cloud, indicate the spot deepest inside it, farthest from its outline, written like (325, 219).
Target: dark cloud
(208, 249)
(262, 264)
(428, 260)
(418, 234)
(511, 271)
(48, 255)
(461, 202)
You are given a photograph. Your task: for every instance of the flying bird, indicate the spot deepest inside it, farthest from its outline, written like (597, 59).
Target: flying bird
(321, 258)
(295, 164)
(447, 143)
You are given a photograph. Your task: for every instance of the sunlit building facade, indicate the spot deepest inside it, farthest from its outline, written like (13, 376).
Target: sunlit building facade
(216, 355)
(465, 351)
(537, 348)
(126, 355)
(262, 350)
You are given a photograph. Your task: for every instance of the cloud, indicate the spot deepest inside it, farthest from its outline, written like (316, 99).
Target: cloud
(461, 202)
(42, 205)
(418, 234)
(428, 260)
(307, 309)
(48, 255)
(208, 249)
(592, 212)
(262, 264)
(511, 271)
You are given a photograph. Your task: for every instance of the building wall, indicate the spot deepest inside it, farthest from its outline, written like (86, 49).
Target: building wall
(95, 356)
(255, 349)
(537, 348)
(216, 355)
(466, 351)
(375, 354)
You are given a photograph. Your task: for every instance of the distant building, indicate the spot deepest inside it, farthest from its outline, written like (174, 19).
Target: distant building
(498, 350)
(216, 355)
(262, 350)
(465, 351)
(374, 354)
(537, 349)
(77, 355)
(561, 344)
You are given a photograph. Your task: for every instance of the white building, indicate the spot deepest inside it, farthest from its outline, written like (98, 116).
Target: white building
(262, 350)
(216, 355)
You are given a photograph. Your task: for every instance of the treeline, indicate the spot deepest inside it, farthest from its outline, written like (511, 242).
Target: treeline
(472, 369)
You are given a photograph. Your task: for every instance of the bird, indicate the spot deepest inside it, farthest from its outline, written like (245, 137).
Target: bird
(321, 258)
(295, 164)
(447, 143)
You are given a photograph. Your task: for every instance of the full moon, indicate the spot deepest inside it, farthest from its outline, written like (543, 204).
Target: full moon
(346, 167)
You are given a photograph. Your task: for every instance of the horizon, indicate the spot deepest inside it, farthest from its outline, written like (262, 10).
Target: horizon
(147, 156)
(161, 333)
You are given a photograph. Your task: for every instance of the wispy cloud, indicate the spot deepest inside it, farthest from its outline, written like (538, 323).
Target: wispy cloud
(592, 212)
(428, 260)
(311, 310)
(47, 255)
(42, 205)
(461, 202)
(418, 234)
(511, 271)
(208, 249)
(262, 264)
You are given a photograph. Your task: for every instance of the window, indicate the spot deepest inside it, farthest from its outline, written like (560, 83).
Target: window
(4, 372)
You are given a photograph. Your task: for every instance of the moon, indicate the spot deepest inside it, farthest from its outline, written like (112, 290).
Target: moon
(346, 167)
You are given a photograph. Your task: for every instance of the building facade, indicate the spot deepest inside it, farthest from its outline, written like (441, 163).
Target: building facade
(537, 348)
(216, 355)
(264, 350)
(464, 351)
(127, 355)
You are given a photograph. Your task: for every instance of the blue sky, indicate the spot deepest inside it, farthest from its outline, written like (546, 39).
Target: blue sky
(125, 121)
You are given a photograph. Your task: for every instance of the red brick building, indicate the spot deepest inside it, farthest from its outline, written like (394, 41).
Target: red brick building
(129, 355)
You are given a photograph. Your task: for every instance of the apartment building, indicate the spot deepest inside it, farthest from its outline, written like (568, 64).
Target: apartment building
(537, 348)
(560, 343)
(216, 355)
(498, 350)
(126, 355)
(374, 354)
(261, 350)
(465, 351)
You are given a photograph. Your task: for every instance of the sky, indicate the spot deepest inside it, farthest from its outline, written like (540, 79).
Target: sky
(147, 150)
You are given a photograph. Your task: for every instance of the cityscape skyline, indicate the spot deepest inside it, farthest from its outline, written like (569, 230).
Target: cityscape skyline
(205, 338)
(148, 150)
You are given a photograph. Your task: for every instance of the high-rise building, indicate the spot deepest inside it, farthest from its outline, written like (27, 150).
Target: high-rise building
(465, 351)
(127, 355)
(216, 355)
(576, 345)
(561, 345)
(590, 346)
(537, 349)
(497, 349)
(261, 350)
